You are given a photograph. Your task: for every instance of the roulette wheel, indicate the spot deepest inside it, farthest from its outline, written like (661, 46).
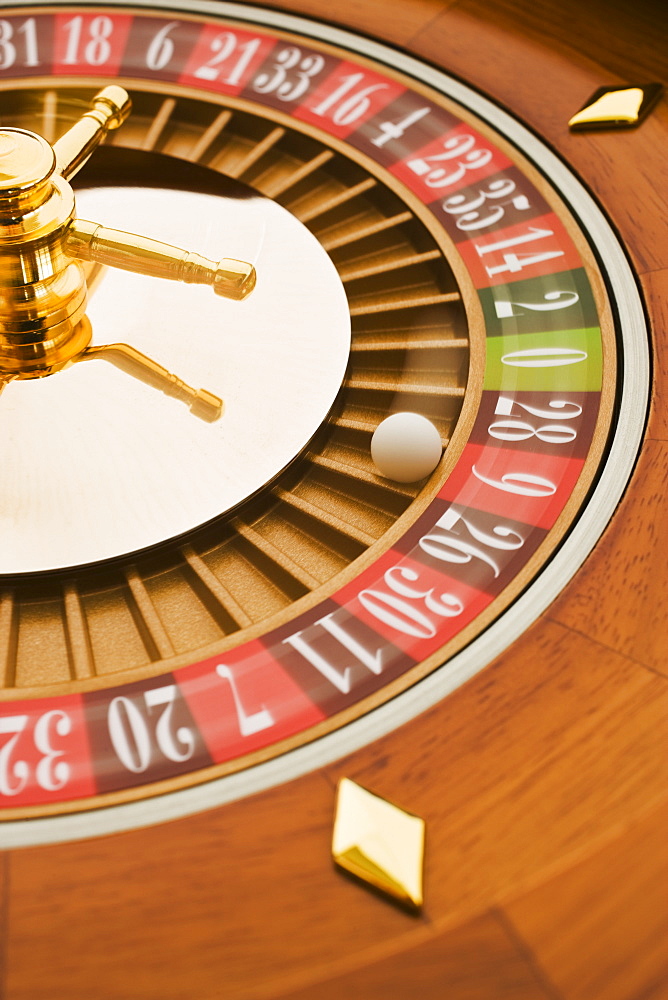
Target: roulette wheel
(206, 623)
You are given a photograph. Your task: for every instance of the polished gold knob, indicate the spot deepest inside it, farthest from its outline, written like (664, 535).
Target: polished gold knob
(26, 164)
(109, 110)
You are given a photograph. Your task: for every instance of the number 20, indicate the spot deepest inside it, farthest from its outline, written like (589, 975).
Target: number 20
(130, 735)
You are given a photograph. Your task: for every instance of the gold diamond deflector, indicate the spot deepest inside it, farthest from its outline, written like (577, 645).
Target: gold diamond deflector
(616, 107)
(379, 843)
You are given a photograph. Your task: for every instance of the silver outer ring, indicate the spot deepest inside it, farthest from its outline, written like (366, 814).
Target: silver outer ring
(634, 395)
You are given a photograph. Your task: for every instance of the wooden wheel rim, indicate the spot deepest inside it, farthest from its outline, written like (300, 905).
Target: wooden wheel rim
(632, 406)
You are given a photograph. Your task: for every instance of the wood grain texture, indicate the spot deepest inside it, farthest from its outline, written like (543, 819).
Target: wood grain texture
(252, 890)
(602, 32)
(538, 758)
(205, 880)
(395, 22)
(626, 616)
(541, 780)
(655, 289)
(4, 919)
(445, 965)
(594, 943)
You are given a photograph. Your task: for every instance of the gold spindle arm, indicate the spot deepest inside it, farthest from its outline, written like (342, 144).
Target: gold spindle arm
(109, 109)
(233, 279)
(201, 402)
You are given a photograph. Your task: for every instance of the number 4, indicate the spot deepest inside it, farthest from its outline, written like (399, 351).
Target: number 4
(395, 130)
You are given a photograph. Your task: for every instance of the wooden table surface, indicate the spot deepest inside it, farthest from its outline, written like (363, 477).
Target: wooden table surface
(544, 789)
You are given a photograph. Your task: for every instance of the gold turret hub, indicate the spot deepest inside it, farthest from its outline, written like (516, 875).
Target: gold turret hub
(42, 287)
(26, 163)
(42, 280)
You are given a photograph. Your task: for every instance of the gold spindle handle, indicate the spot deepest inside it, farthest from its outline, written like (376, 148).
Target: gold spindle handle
(202, 403)
(233, 279)
(109, 109)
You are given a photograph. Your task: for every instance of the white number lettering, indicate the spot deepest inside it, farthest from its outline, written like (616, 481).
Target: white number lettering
(522, 483)
(470, 219)
(249, 722)
(97, 50)
(73, 28)
(13, 777)
(29, 31)
(8, 51)
(553, 300)
(454, 548)
(52, 774)
(567, 409)
(395, 130)
(521, 430)
(161, 49)
(395, 610)
(163, 731)
(514, 241)
(130, 735)
(355, 106)
(457, 204)
(342, 680)
(457, 146)
(7, 47)
(223, 46)
(291, 58)
(516, 261)
(474, 220)
(544, 357)
(134, 748)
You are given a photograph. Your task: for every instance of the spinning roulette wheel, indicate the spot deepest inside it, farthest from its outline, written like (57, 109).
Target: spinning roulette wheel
(205, 623)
